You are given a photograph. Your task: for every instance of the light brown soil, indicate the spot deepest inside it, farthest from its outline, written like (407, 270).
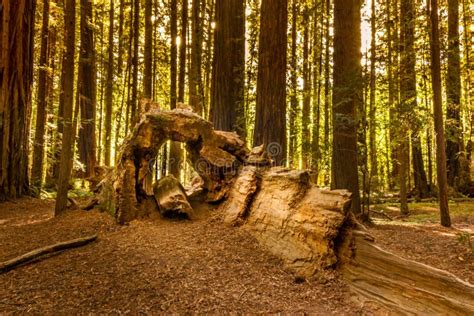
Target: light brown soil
(152, 266)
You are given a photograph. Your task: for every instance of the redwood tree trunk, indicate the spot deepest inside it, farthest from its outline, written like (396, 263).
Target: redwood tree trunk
(68, 97)
(453, 93)
(195, 99)
(438, 116)
(270, 119)
(147, 74)
(228, 71)
(306, 113)
(87, 87)
(109, 89)
(16, 77)
(347, 96)
(38, 146)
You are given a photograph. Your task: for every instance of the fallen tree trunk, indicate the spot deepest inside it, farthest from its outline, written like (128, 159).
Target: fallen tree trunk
(30, 256)
(404, 285)
(311, 230)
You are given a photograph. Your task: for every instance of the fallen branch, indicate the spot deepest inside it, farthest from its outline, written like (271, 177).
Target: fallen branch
(382, 213)
(27, 257)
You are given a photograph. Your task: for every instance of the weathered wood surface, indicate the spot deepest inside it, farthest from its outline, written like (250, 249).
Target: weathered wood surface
(35, 254)
(171, 198)
(290, 217)
(404, 285)
(215, 156)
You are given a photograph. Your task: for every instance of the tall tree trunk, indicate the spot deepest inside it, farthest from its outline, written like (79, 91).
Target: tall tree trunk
(41, 112)
(347, 97)
(228, 71)
(87, 89)
(293, 115)
(306, 114)
(372, 108)
(16, 77)
(68, 95)
(136, 38)
(148, 69)
(121, 40)
(270, 116)
(327, 74)
(438, 116)
(393, 91)
(195, 99)
(407, 96)
(317, 73)
(110, 86)
(453, 93)
(176, 154)
(174, 52)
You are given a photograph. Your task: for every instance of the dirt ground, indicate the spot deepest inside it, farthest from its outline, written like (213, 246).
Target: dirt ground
(158, 266)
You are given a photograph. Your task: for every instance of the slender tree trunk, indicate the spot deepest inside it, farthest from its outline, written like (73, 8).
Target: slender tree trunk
(134, 115)
(270, 118)
(327, 95)
(174, 52)
(16, 77)
(41, 112)
(407, 95)
(121, 40)
(306, 113)
(87, 89)
(176, 154)
(52, 96)
(393, 80)
(148, 69)
(453, 93)
(68, 73)
(347, 97)
(317, 64)
(438, 116)
(372, 106)
(195, 99)
(293, 126)
(228, 71)
(110, 86)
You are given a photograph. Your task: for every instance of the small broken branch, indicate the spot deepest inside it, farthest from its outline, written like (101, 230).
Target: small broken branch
(383, 214)
(28, 257)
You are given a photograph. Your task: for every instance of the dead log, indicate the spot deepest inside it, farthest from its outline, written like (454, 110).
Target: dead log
(37, 253)
(215, 155)
(313, 231)
(404, 285)
(171, 198)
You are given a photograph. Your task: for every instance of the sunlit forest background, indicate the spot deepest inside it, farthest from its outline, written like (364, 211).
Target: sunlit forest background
(169, 52)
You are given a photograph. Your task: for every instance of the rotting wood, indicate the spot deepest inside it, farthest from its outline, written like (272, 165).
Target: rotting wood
(28, 257)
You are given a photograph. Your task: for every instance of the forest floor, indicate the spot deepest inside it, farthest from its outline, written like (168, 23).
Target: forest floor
(154, 266)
